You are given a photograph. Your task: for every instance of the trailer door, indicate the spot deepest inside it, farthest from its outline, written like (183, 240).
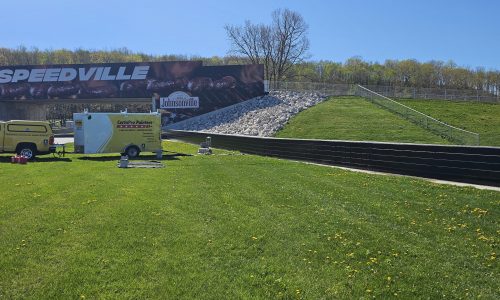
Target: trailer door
(78, 120)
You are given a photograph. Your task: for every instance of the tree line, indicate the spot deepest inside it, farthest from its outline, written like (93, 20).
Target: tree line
(407, 73)
(34, 56)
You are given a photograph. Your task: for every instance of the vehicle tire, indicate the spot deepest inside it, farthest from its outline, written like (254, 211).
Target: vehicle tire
(27, 150)
(132, 151)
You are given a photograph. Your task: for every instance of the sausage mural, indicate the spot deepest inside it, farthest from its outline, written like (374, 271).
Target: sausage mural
(214, 87)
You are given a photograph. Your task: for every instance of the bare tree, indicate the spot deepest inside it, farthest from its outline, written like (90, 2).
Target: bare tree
(278, 46)
(290, 35)
(246, 40)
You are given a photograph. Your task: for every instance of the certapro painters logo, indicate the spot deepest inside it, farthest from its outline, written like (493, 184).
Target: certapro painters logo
(134, 124)
(179, 100)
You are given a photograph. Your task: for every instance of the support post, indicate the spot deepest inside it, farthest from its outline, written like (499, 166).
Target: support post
(155, 98)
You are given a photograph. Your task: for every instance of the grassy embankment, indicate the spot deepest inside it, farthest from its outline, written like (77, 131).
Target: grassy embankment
(239, 226)
(482, 118)
(352, 118)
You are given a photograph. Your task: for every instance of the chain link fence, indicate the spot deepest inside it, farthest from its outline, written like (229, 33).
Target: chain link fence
(391, 91)
(451, 133)
(435, 93)
(330, 89)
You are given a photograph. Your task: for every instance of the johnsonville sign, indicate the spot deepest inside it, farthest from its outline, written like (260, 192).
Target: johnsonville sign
(179, 100)
(187, 88)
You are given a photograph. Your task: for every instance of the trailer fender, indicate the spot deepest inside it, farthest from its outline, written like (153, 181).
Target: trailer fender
(132, 151)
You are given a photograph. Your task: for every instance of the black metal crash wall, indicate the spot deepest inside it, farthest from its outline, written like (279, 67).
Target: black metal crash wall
(479, 165)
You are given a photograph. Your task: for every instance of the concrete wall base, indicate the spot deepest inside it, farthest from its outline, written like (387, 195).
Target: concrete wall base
(23, 111)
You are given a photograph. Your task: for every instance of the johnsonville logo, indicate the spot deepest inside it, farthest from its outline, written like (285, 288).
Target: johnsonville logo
(134, 124)
(179, 100)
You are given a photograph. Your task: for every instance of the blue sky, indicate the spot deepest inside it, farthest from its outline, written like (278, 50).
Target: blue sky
(467, 32)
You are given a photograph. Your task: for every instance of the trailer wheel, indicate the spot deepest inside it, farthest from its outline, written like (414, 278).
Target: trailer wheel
(26, 150)
(132, 151)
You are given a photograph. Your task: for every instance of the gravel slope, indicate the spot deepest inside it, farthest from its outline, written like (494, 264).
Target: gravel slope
(261, 116)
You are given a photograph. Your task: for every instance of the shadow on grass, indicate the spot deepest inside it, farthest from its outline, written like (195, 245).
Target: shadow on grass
(6, 159)
(173, 156)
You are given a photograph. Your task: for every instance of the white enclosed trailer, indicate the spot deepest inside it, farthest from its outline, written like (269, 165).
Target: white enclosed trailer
(126, 133)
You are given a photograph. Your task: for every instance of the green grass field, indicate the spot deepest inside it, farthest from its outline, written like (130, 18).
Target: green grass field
(353, 118)
(236, 226)
(482, 118)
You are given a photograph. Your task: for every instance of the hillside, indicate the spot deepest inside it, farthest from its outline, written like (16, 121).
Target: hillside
(353, 118)
(482, 118)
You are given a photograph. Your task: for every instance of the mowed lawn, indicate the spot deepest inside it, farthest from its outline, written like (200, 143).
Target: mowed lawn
(354, 118)
(482, 118)
(232, 226)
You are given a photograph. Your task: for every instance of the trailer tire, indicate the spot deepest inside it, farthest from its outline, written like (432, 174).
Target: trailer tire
(132, 151)
(26, 149)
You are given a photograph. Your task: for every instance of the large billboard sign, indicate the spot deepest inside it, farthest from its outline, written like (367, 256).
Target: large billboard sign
(187, 87)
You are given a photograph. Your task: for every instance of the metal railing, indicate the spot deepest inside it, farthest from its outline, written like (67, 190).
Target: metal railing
(449, 132)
